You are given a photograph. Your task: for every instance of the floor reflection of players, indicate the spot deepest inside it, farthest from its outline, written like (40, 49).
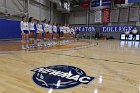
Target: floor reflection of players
(130, 44)
(127, 35)
(136, 44)
(134, 32)
(122, 43)
(126, 43)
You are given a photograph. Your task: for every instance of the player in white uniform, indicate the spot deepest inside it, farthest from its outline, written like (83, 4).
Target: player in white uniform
(32, 31)
(68, 30)
(65, 30)
(61, 34)
(46, 32)
(54, 34)
(50, 34)
(68, 34)
(39, 33)
(61, 31)
(65, 33)
(25, 32)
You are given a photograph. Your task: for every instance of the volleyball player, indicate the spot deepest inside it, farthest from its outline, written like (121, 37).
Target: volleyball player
(58, 34)
(46, 32)
(65, 34)
(58, 31)
(39, 33)
(50, 43)
(54, 33)
(25, 32)
(68, 34)
(61, 31)
(32, 31)
(61, 34)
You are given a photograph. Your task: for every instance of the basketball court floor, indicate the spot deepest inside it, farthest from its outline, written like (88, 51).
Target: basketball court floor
(114, 64)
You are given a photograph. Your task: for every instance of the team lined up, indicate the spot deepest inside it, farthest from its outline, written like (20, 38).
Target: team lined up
(47, 34)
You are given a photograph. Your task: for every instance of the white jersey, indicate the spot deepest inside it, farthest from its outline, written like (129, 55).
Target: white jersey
(55, 29)
(68, 30)
(39, 28)
(64, 29)
(31, 26)
(50, 28)
(134, 31)
(46, 27)
(24, 26)
(61, 29)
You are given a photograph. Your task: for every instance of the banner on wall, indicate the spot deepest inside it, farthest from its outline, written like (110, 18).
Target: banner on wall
(116, 28)
(114, 17)
(124, 12)
(95, 3)
(98, 16)
(85, 28)
(133, 1)
(119, 1)
(106, 15)
(106, 2)
(133, 14)
(85, 4)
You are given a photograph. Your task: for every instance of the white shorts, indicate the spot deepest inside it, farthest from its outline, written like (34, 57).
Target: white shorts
(39, 32)
(50, 32)
(64, 32)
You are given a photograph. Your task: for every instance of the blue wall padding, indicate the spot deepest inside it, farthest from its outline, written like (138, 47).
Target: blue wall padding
(9, 29)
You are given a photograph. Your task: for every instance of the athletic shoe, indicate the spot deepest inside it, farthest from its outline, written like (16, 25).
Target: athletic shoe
(27, 47)
(23, 48)
(31, 46)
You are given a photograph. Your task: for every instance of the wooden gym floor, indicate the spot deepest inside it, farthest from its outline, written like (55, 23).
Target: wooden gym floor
(115, 65)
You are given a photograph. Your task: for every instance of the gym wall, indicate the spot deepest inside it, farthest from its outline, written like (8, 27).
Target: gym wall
(13, 9)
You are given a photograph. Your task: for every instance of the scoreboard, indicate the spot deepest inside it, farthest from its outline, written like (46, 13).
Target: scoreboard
(130, 37)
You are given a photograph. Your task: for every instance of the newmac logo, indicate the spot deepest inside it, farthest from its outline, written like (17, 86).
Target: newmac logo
(60, 77)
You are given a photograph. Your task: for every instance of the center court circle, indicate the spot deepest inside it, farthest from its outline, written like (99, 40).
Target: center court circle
(60, 77)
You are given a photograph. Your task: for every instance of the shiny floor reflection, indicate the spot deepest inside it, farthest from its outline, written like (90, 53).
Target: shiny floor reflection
(114, 64)
(135, 44)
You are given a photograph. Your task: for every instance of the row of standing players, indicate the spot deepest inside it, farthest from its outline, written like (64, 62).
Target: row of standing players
(47, 34)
